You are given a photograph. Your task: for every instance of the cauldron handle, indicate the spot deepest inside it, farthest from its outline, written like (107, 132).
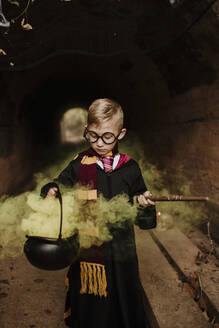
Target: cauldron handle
(59, 196)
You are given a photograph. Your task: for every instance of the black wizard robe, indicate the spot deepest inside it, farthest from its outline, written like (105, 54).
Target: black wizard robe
(123, 307)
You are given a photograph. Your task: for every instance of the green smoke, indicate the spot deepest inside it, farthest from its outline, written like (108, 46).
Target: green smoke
(28, 213)
(12, 210)
(160, 183)
(43, 219)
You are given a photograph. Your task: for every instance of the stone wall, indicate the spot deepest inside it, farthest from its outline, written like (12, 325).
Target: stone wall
(178, 122)
(188, 139)
(15, 165)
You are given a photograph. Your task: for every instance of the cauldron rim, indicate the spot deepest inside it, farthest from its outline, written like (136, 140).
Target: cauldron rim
(50, 239)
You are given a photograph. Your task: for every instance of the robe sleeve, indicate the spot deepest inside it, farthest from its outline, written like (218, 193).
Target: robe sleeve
(146, 216)
(68, 177)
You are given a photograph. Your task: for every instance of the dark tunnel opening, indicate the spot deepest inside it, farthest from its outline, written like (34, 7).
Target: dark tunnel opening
(164, 123)
(62, 84)
(43, 109)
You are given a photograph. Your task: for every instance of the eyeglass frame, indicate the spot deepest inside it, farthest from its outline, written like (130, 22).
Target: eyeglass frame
(101, 137)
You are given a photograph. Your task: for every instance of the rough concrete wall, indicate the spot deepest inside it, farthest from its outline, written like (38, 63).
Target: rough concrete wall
(175, 100)
(189, 138)
(15, 169)
(178, 122)
(190, 128)
(15, 164)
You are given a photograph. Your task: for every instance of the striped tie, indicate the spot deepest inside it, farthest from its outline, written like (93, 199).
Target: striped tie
(107, 163)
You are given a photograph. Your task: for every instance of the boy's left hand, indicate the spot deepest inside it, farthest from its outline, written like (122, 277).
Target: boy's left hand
(142, 199)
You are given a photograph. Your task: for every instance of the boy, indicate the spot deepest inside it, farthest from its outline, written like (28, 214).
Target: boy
(104, 289)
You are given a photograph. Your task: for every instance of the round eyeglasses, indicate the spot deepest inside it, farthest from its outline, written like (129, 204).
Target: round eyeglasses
(107, 137)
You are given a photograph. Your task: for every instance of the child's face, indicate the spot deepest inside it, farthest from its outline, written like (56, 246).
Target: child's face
(110, 126)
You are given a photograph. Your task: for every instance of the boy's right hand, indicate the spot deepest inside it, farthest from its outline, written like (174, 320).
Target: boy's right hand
(49, 190)
(52, 192)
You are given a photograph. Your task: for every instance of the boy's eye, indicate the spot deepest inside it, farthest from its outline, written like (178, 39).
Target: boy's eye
(92, 134)
(108, 135)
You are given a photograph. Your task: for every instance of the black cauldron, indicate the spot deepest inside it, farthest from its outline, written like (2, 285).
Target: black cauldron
(52, 253)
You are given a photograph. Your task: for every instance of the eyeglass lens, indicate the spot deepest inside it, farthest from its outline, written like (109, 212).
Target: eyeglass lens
(107, 137)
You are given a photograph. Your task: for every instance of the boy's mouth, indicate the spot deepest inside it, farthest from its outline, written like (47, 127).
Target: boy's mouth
(100, 148)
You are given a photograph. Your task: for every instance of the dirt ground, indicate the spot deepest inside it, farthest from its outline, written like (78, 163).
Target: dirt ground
(30, 297)
(34, 298)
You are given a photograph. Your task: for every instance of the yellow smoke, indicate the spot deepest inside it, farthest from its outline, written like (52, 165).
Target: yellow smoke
(166, 183)
(44, 218)
(12, 210)
(28, 213)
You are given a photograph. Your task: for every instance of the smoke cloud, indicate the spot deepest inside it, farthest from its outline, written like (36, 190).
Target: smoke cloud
(29, 214)
(164, 183)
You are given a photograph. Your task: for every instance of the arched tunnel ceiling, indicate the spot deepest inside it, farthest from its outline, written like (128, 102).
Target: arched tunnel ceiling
(44, 93)
(170, 98)
(94, 27)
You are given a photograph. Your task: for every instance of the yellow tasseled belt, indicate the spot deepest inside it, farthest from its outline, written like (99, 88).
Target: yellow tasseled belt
(93, 279)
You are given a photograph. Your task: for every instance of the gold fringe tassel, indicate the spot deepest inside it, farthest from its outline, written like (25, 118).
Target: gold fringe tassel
(67, 283)
(93, 279)
(67, 313)
(83, 278)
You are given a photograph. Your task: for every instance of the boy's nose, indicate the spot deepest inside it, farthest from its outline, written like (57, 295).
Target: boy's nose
(99, 142)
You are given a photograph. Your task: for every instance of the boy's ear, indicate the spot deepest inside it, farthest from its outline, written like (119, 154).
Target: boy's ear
(122, 133)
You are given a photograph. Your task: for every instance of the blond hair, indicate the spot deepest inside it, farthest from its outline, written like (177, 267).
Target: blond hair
(105, 109)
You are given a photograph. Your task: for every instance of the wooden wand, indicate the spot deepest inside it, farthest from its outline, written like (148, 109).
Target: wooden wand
(177, 198)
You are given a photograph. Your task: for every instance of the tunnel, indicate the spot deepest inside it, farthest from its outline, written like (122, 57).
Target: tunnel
(168, 90)
(170, 101)
(176, 121)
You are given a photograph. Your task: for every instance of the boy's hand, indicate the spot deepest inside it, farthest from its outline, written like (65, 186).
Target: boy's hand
(143, 201)
(49, 190)
(52, 192)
